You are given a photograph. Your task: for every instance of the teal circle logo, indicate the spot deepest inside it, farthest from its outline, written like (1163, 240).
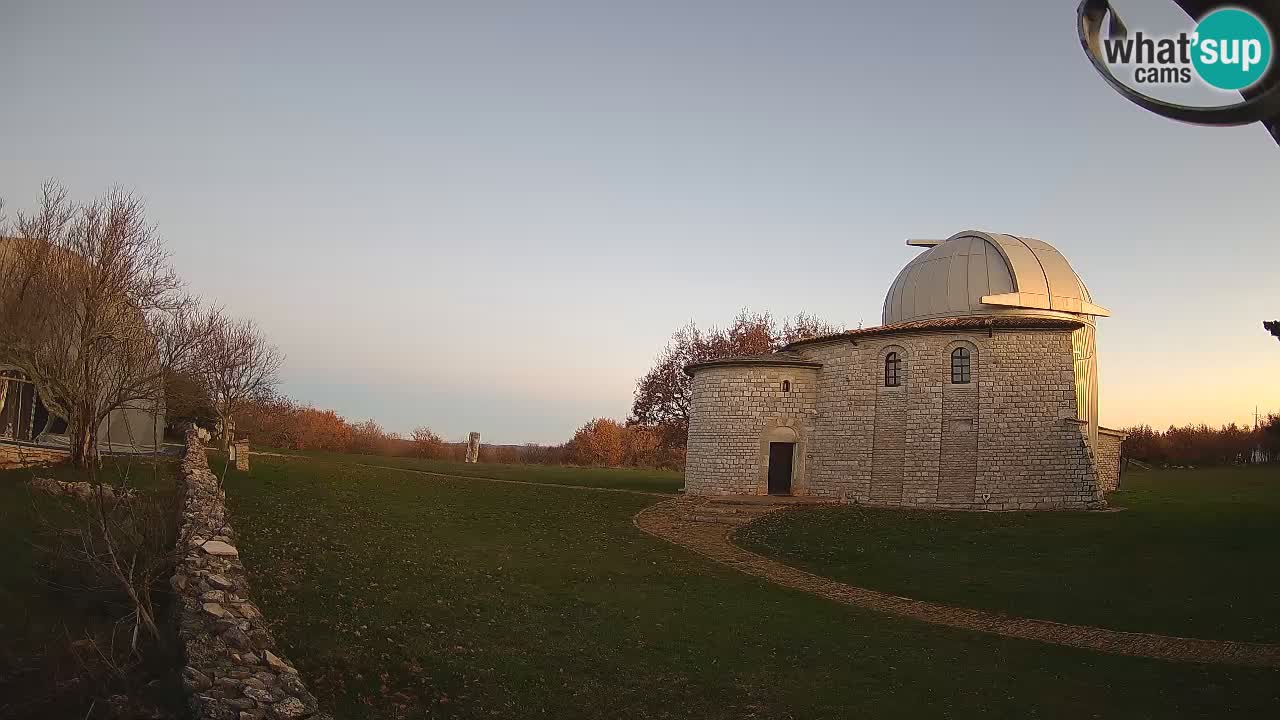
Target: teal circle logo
(1232, 49)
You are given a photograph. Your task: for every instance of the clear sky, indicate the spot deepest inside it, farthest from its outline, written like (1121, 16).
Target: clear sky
(491, 215)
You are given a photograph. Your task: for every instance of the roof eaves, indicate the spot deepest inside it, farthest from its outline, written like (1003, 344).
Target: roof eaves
(944, 324)
(779, 359)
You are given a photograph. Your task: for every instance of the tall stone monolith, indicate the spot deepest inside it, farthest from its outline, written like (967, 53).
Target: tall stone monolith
(240, 452)
(473, 448)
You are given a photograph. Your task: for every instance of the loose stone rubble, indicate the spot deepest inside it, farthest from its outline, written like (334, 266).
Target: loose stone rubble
(82, 490)
(234, 670)
(14, 455)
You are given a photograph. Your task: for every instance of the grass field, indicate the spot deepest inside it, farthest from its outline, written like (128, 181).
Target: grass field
(40, 676)
(402, 595)
(661, 481)
(1193, 553)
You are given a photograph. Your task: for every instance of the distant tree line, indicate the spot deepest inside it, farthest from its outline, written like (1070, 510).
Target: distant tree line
(278, 422)
(1204, 445)
(653, 436)
(281, 423)
(656, 433)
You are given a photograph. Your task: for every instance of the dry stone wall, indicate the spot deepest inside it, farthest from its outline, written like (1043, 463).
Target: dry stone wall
(234, 670)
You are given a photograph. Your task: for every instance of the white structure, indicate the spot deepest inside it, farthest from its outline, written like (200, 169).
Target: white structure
(981, 274)
(24, 418)
(136, 427)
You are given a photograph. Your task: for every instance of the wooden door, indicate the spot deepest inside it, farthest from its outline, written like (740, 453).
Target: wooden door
(780, 454)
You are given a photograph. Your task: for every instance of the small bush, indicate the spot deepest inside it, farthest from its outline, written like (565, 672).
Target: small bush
(101, 642)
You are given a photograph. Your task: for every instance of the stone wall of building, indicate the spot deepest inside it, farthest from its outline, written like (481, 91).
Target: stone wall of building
(1007, 440)
(735, 412)
(15, 455)
(234, 671)
(1108, 458)
(1033, 452)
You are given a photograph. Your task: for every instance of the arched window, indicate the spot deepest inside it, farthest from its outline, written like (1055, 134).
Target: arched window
(892, 370)
(960, 366)
(786, 386)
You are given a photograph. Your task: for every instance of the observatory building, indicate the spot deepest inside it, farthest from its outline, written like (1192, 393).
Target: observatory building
(979, 391)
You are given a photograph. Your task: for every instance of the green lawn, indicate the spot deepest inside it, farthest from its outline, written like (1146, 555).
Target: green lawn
(662, 481)
(39, 620)
(1193, 553)
(401, 595)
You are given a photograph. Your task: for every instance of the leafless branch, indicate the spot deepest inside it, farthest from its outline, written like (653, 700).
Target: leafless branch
(90, 309)
(239, 366)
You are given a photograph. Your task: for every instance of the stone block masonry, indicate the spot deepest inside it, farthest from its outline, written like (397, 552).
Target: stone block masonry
(736, 412)
(1110, 443)
(1007, 437)
(240, 450)
(17, 455)
(234, 670)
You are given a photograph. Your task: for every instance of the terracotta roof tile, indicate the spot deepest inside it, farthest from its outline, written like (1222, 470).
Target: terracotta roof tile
(786, 358)
(782, 358)
(951, 323)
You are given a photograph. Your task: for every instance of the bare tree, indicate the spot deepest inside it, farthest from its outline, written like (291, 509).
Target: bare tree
(111, 547)
(91, 310)
(239, 366)
(124, 542)
(663, 395)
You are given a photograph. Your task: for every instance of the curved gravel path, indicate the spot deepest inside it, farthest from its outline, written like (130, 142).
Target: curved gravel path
(669, 521)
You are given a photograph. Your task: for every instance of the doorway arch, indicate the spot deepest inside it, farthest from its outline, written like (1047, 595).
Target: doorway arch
(780, 474)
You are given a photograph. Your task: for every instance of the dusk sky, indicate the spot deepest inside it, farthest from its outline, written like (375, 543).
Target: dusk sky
(491, 215)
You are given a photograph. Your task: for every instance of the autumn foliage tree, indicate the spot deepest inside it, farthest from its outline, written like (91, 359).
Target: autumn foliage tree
(609, 443)
(642, 447)
(662, 396)
(427, 444)
(278, 422)
(599, 442)
(312, 428)
(370, 438)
